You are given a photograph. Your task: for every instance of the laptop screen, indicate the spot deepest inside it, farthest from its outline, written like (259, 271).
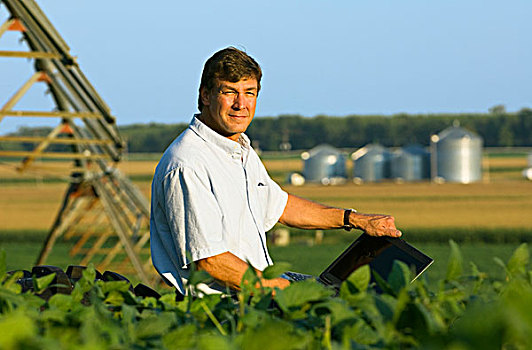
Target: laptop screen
(379, 253)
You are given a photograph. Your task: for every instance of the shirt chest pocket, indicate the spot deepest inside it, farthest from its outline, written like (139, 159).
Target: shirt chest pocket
(262, 191)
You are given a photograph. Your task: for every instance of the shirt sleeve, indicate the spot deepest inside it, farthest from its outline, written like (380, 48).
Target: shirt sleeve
(193, 215)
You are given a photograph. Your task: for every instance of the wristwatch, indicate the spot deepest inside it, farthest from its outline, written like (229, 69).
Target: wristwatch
(347, 225)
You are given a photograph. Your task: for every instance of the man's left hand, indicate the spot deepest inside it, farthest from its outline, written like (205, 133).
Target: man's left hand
(375, 224)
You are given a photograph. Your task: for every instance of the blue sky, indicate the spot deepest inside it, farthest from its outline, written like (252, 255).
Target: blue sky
(334, 58)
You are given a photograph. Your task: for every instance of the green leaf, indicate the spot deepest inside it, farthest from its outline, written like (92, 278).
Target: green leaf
(43, 282)
(114, 298)
(501, 263)
(155, 325)
(298, 294)
(89, 274)
(415, 319)
(183, 337)
(11, 284)
(276, 270)
(61, 301)
(454, 267)
(354, 287)
(213, 342)
(199, 276)
(249, 281)
(149, 302)
(386, 304)
(169, 299)
(361, 333)
(384, 286)
(337, 308)
(54, 314)
(474, 269)
(517, 264)
(15, 327)
(360, 278)
(110, 286)
(273, 334)
(399, 277)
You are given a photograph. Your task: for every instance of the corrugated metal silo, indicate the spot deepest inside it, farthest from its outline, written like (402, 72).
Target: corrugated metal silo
(411, 163)
(323, 164)
(371, 163)
(457, 155)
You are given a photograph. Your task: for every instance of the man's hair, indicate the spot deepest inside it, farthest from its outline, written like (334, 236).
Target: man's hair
(229, 64)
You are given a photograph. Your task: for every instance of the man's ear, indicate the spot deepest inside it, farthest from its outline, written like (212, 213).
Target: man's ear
(205, 96)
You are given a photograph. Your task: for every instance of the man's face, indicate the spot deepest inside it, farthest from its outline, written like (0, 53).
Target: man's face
(230, 107)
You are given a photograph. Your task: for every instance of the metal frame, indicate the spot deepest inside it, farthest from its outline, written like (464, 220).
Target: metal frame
(103, 213)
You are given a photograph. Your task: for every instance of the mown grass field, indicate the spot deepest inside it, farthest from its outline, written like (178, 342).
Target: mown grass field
(502, 202)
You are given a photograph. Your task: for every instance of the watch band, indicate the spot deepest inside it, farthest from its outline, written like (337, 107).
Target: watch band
(347, 225)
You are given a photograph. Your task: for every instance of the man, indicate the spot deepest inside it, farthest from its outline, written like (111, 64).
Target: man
(212, 199)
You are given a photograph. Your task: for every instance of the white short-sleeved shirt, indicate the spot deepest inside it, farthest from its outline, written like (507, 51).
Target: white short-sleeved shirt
(210, 195)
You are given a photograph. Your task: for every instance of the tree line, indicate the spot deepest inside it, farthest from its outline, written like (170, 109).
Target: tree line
(498, 128)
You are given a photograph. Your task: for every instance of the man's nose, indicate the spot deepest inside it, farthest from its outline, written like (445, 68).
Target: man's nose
(240, 102)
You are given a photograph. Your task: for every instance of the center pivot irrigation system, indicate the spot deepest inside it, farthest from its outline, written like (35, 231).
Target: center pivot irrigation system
(103, 214)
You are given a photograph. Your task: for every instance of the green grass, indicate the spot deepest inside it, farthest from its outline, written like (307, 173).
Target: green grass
(439, 235)
(508, 169)
(141, 177)
(504, 154)
(274, 155)
(28, 236)
(23, 247)
(23, 255)
(303, 258)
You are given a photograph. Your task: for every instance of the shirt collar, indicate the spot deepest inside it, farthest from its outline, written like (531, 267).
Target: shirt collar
(232, 148)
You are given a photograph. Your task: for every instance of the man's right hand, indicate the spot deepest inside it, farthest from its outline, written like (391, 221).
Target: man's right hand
(228, 270)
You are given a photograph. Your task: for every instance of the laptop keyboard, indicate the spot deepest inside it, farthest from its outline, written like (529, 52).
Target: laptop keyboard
(295, 276)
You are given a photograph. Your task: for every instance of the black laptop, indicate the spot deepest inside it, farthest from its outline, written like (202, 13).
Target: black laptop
(378, 252)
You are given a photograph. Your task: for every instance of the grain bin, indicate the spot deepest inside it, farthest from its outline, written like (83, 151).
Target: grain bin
(411, 163)
(456, 155)
(371, 163)
(324, 164)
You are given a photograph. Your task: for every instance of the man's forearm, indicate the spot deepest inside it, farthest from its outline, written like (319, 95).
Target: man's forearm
(303, 213)
(228, 270)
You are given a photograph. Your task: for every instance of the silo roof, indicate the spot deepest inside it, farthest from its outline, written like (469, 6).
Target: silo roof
(370, 149)
(323, 150)
(456, 132)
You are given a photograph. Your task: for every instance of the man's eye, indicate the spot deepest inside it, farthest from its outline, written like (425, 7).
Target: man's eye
(251, 94)
(228, 92)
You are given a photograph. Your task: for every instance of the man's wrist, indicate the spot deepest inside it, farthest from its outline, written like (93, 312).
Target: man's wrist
(348, 226)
